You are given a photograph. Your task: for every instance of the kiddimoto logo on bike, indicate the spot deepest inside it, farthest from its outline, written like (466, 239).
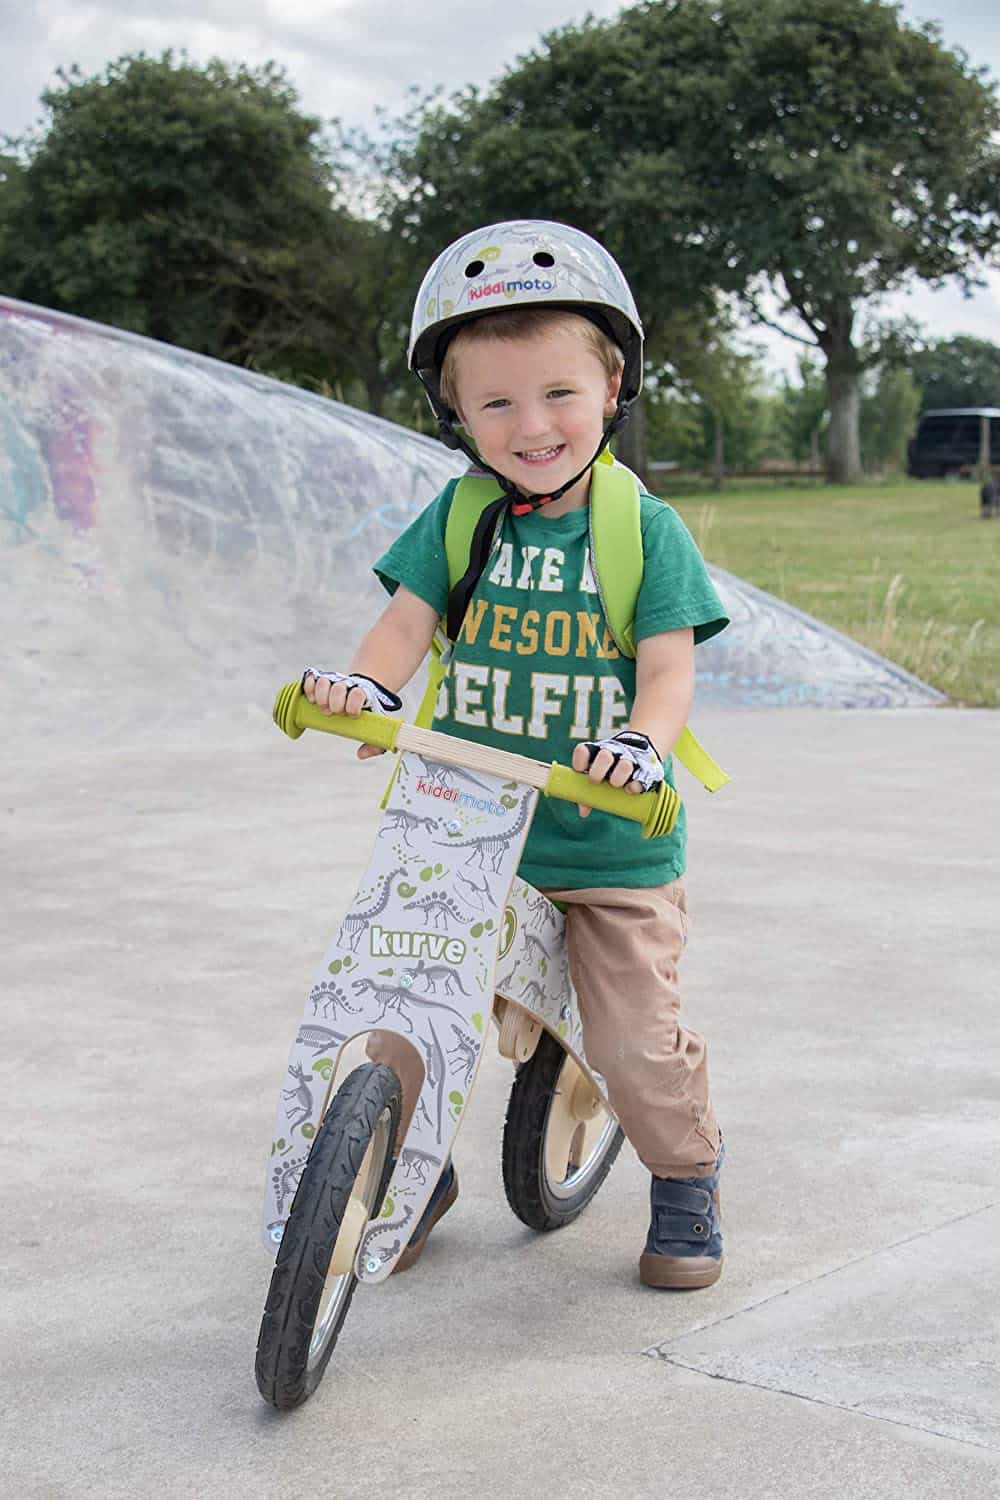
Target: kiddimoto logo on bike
(511, 288)
(464, 799)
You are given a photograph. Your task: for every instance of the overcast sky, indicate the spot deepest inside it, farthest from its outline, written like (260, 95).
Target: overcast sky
(345, 56)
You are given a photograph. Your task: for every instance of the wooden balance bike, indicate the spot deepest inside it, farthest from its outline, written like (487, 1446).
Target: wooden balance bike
(441, 936)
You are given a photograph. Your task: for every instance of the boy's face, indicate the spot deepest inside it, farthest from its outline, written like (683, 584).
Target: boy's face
(536, 407)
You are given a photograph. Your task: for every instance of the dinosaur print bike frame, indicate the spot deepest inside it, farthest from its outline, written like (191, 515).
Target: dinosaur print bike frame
(440, 926)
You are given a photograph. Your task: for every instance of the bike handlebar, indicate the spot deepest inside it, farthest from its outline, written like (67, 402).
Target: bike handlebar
(657, 810)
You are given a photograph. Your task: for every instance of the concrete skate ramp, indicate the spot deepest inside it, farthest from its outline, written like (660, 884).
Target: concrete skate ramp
(172, 525)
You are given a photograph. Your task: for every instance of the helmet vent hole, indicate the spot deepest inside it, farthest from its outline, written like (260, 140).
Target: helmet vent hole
(475, 267)
(543, 258)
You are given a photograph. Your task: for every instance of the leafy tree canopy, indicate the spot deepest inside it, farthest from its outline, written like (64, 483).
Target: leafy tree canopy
(557, 139)
(820, 148)
(171, 200)
(958, 372)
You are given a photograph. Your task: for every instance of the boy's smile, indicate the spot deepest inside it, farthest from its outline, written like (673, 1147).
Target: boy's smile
(542, 455)
(536, 408)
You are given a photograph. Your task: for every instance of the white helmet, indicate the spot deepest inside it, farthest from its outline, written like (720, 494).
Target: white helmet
(523, 263)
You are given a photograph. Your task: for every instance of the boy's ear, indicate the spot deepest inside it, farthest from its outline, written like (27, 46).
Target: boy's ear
(614, 386)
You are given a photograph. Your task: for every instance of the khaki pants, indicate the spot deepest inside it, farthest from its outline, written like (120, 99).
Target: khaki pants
(624, 947)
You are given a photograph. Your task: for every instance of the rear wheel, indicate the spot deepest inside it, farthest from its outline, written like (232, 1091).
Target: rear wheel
(559, 1142)
(342, 1185)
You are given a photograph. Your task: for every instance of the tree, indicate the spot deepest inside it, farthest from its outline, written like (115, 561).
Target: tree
(725, 384)
(804, 412)
(721, 436)
(11, 193)
(958, 372)
(676, 429)
(190, 204)
(818, 149)
(387, 268)
(889, 418)
(544, 144)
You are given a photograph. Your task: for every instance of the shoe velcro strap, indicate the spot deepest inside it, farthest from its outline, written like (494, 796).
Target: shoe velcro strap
(668, 1194)
(672, 1224)
(682, 1212)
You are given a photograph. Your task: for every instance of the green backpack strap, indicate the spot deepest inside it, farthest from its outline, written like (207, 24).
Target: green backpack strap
(616, 548)
(469, 499)
(695, 758)
(436, 668)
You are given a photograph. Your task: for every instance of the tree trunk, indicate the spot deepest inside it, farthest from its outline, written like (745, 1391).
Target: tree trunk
(630, 443)
(843, 390)
(843, 447)
(984, 467)
(718, 450)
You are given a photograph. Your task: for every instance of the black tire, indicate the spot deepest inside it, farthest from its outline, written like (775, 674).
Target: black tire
(290, 1361)
(535, 1198)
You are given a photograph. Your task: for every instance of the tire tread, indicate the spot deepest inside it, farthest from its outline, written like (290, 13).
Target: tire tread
(523, 1149)
(282, 1359)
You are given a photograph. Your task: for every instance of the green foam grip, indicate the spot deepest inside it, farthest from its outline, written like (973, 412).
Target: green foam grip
(656, 811)
(294, 713)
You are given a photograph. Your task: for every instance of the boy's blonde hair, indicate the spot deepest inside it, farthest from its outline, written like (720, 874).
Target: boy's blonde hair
(525, 323)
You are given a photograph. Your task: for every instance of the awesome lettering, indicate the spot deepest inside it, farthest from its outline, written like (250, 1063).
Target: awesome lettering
(557, 632)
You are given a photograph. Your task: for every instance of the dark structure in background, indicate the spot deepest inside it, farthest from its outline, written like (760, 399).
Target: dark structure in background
(950, 441)
(960, 441)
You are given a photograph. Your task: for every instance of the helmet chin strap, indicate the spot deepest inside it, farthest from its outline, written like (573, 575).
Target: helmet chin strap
(520, 503)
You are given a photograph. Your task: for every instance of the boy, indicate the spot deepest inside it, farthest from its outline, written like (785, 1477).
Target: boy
(526, 337)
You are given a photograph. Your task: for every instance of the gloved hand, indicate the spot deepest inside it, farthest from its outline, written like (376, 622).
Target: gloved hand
(334, 692)
(349, 693)
(636, 750)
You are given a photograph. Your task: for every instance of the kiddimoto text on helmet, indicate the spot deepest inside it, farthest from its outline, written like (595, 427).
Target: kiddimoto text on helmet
(510, 288)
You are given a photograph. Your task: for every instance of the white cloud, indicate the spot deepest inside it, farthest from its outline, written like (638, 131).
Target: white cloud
(973, 25)
(347, 56)
(344, 56)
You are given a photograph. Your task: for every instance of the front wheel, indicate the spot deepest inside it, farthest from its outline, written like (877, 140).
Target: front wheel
(341, 1187)
(559, 1141)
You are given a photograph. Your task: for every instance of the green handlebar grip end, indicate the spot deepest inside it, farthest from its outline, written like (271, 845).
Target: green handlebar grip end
(655, 812)
(294, 714)
(662, 816)
(284, 709)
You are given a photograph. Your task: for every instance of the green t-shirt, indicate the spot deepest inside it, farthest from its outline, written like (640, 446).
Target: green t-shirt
(535, 670)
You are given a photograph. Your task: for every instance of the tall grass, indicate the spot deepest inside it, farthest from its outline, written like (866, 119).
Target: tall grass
(908, 569)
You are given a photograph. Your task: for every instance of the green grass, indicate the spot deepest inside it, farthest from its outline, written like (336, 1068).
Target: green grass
(909, 569)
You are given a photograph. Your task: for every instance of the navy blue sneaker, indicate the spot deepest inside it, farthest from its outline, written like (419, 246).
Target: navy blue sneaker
(684, 1244)
(444, 1194)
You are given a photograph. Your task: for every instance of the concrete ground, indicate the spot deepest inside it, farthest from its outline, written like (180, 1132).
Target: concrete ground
(166, 904)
